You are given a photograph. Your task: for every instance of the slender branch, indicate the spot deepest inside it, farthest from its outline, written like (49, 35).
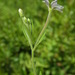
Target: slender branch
(37, 42)
(25, 27)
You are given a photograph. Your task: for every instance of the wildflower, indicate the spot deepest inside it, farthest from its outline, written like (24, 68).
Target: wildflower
(56, 6)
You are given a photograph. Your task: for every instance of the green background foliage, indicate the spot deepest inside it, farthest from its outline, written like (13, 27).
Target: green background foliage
(54, 56)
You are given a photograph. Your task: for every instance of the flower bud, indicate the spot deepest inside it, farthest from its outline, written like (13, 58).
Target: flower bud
(21, 12)
(28, 20)
(24, 19)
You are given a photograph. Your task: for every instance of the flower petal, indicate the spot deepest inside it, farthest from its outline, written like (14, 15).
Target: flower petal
(59, 8)
(53, 3)
(47, 2)
(56, 6)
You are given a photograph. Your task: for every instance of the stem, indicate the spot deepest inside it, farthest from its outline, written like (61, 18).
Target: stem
(41, 33)
(37, 42)
(33, 65)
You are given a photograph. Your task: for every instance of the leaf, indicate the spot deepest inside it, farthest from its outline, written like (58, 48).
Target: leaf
(42, 37)
(27, 34)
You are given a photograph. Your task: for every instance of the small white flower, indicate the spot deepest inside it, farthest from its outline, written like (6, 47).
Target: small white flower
(56, 6)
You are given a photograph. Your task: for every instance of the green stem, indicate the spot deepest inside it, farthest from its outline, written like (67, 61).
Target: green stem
(37, 42)
(41, 33)
(33, 65)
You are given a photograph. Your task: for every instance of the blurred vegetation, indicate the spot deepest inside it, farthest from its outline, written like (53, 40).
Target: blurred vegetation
(54, 56)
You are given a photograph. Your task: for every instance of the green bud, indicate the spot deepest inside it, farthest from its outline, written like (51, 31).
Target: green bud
(21, 12)
(24, 19)
(28, 20)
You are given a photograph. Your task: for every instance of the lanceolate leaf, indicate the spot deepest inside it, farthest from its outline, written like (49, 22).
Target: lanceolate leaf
(27, 34)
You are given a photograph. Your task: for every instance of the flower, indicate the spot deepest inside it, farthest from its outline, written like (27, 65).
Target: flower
(56, 6)
(47, 2)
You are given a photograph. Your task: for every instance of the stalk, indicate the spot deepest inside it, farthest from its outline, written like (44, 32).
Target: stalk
(37, 42)
(41, 33)
(33, 65)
